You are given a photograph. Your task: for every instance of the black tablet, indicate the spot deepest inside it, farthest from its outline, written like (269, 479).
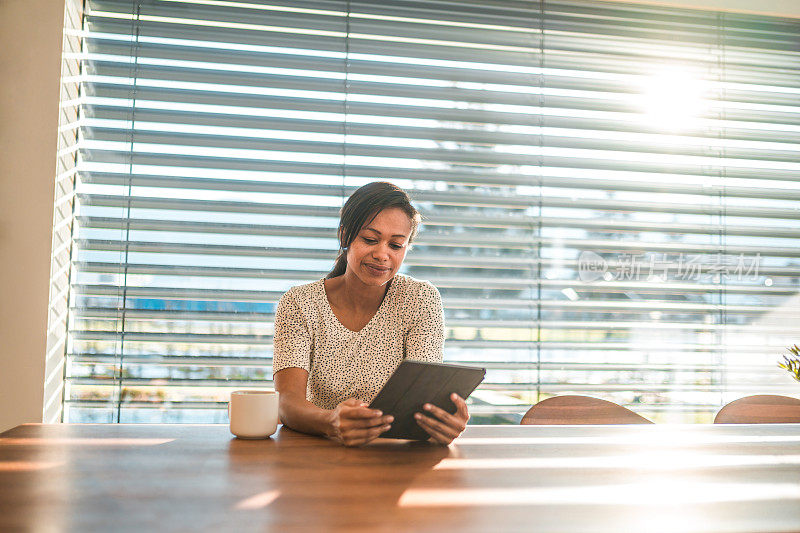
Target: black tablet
(414, 384)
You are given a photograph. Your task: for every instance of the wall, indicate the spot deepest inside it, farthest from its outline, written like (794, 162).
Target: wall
(30, 65)
(30, 47)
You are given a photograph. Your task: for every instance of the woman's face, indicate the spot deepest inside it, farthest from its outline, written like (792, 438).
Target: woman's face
(379, 249)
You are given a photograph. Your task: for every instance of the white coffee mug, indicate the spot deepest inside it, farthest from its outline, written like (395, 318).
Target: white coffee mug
(253, 414)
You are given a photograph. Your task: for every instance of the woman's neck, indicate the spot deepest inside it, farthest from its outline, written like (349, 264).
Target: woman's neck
(362, 296)
(350, 292)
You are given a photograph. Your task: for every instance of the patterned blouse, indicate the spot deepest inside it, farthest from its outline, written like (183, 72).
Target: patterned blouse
(342, 363)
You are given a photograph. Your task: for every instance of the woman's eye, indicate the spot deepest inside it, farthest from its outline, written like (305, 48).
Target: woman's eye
(395, 246)
(369, 241)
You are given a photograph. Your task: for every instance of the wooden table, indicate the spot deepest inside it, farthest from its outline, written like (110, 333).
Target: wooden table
(494, 478)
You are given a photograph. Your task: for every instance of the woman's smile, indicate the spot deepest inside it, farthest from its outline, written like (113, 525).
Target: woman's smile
(376, 270)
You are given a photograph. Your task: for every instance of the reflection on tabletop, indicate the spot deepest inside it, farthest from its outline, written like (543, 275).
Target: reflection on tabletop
(704, 478)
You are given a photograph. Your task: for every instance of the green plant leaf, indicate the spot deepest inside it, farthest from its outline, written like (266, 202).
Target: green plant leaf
(792, 364)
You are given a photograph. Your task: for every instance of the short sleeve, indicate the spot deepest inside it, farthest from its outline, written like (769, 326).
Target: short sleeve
(425, 337)
(292, 338)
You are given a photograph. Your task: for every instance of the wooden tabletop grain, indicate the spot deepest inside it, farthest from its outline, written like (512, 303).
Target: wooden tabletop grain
(494, 478)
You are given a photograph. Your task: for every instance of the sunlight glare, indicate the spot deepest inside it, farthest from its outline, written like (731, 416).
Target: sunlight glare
(259, 501)
(672, 99)
(645, 461)
(84, 441)
(655, 492)
(27, 466)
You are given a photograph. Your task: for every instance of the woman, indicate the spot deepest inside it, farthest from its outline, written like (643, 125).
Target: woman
(337, 340)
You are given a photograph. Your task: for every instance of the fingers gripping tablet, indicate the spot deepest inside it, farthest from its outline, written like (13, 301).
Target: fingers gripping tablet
(414, 384)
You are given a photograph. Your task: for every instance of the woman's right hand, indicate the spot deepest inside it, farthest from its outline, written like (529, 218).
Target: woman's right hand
(353, 423)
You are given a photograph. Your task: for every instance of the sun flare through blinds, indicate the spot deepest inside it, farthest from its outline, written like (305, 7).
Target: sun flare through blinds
(610, 192)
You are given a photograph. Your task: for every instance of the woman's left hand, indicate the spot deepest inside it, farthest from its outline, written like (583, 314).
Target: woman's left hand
(441, 425)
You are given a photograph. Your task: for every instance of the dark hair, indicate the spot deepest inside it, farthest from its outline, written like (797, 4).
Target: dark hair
(361, 208)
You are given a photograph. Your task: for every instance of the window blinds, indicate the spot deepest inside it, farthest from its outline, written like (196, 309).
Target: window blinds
(609, 191)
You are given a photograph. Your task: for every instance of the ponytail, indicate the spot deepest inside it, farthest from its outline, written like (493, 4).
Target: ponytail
(340, 266)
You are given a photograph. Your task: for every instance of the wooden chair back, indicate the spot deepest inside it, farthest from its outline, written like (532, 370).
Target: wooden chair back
(760, 409)
(583, 410)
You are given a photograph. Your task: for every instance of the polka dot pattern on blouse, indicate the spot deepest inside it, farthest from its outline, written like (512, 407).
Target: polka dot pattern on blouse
(342, 363)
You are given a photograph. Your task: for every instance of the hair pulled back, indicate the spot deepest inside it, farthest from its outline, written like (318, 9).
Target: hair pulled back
(361, 208)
